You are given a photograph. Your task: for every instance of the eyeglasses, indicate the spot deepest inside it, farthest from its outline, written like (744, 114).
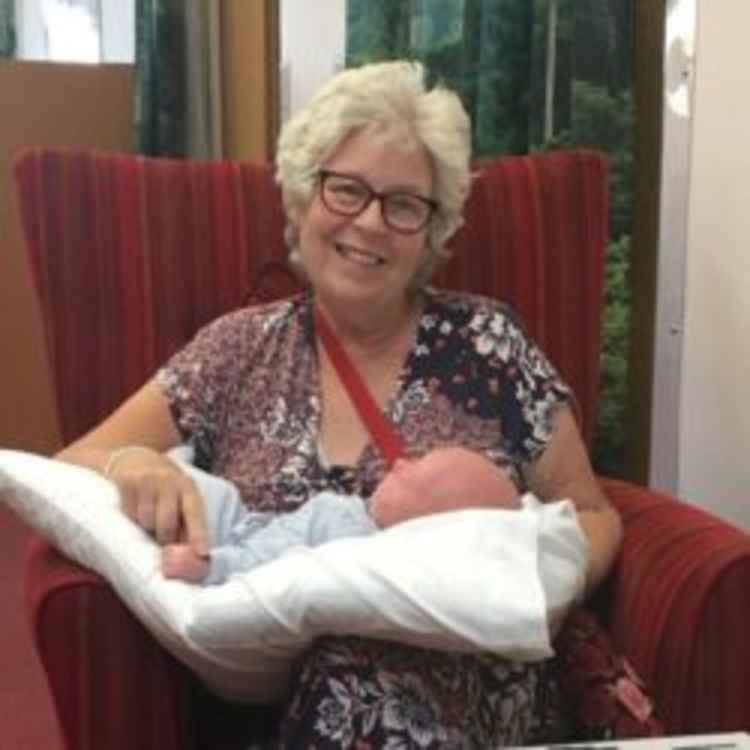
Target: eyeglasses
(349, 196)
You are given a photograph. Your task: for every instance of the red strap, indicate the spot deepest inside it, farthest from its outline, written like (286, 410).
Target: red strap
(382, 430)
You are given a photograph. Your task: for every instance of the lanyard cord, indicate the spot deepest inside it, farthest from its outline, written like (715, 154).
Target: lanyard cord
(379, 426)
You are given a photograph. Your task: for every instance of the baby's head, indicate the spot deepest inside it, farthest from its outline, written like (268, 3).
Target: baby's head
(448, 478)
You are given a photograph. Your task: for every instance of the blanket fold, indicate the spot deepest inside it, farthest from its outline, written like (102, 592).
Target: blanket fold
(470, 580)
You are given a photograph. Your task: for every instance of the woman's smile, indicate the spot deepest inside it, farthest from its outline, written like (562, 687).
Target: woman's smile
(359, 256)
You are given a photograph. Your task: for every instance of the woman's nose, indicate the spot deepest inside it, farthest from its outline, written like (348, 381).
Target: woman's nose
(371, 218)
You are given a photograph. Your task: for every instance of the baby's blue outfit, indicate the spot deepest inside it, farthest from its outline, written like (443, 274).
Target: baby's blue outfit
(243, 539)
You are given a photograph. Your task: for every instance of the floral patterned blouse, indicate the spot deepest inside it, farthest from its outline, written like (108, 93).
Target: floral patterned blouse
(246, 394)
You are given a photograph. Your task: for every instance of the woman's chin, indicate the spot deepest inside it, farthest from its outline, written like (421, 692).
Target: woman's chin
(349, 290)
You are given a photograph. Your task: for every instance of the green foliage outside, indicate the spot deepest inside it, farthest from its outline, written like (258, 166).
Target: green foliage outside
(610, 436)
(7, 28)
(496, 54)
(605, 121)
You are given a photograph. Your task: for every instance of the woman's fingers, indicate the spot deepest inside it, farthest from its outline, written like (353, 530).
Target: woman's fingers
(129, 500)
(167, 509)
(162, 499)
(193, 517)
(139, 496)
(148, 495)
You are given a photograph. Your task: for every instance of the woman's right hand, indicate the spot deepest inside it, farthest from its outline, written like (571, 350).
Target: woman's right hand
(159, 496)
(155, 492)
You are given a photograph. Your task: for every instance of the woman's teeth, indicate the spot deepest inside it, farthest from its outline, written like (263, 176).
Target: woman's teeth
(360, 256)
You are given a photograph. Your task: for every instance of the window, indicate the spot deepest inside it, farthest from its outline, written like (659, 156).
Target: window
(85, 31)
(304, 66)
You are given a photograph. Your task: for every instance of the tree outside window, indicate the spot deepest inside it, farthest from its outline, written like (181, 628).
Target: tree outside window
(534, 75)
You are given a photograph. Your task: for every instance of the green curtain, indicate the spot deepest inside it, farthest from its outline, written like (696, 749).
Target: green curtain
(160, 83)
(7, 28)
(177, 92)
(534, 74)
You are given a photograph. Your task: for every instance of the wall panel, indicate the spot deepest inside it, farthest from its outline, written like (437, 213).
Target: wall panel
(58, 105)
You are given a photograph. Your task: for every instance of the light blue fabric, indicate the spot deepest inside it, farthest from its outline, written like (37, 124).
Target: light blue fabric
(243, 539)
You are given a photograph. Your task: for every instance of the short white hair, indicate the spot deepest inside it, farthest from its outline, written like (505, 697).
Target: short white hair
(390, 96)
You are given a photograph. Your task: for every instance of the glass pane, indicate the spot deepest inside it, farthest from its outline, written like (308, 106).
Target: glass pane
(535, 74)
(73, 30)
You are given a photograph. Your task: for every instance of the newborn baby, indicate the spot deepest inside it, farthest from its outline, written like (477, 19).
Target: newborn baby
(445, 479)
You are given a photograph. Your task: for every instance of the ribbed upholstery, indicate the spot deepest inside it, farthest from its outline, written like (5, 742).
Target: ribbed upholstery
(535, 234)
(679, 606)
(80, 629)
(130, 255)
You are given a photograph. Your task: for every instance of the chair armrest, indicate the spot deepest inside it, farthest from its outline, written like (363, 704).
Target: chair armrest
(678, 607)
(112, 685)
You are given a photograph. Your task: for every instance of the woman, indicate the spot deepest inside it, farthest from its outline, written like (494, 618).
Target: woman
(374, 174)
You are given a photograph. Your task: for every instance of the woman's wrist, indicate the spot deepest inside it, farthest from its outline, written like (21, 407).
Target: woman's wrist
(114, 457)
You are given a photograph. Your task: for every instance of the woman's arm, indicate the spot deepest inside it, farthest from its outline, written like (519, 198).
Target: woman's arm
(128, 447)
(563, 471)
(144, 419)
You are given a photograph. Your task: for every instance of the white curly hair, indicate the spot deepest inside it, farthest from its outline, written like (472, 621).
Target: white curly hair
(391, 97)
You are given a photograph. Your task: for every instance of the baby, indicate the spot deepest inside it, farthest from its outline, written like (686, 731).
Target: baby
(444, 479)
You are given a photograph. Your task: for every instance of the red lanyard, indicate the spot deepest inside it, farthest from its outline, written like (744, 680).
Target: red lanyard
(382, 430)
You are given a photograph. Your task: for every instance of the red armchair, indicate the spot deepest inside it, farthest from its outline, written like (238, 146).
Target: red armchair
(131, 255)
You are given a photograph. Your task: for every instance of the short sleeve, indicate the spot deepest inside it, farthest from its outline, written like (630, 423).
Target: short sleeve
(530, 389)
(538, 389)
(479, 378)
(200, 379)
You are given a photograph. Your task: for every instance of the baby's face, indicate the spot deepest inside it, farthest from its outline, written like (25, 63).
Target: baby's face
(408, 479)
(446, 475)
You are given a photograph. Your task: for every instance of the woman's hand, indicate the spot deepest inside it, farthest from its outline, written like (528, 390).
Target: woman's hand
(564, 471)
(159, 496)
(156, 493)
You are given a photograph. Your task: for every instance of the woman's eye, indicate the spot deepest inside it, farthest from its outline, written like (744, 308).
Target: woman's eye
(348, 191)
(404, 204)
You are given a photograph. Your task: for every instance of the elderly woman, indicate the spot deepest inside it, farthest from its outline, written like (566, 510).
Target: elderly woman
(374, 174)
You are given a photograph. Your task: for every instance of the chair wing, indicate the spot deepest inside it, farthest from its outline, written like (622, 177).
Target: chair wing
(535, 235)
(130, 256)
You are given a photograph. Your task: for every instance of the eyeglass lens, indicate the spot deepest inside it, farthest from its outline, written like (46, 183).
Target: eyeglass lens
(349, 196)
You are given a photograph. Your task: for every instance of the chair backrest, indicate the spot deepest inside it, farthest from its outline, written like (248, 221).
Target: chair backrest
(130, 255)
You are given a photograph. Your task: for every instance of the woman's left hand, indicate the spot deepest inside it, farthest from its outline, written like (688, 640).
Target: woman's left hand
(563, 471)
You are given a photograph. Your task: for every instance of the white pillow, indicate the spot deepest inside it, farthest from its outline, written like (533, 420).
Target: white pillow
(78, 511)
(473, 580)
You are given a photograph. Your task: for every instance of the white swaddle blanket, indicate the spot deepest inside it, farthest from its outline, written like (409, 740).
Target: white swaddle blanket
(470, 580)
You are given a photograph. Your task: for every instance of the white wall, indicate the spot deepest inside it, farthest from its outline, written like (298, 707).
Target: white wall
(714, 433)
(312, 48)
